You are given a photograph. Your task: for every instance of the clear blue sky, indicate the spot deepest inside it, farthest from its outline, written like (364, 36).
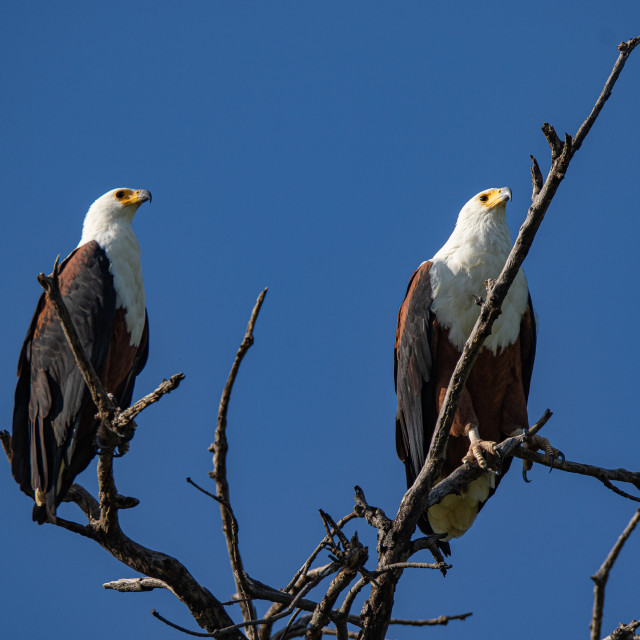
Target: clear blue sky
(323, 150)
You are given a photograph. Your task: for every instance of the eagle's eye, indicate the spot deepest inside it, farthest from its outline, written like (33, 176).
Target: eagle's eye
(119, 195)
(483, 198)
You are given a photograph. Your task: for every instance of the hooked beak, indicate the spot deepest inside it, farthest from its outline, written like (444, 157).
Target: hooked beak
(499, 197)
(143, 195)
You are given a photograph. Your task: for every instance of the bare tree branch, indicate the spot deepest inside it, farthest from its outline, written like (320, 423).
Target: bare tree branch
(123, 418)
(414, 565)
(625, 49)
(135, 585)
(602, 575)
(600, 473)
(219, 449)
(536, 178)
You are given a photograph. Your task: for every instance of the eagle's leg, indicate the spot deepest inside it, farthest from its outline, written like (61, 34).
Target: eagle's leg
(551, 454)
(482, 453)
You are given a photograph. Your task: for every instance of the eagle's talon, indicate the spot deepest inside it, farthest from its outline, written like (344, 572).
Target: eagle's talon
(551, 454)
(480, 454)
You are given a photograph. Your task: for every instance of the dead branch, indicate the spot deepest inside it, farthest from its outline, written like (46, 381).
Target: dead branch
(135, 585)
(415, 565)
(347, 603)
(124, 418)
(219, 449)
(440, 620)
(377, 610)
(606, 476)
(602, 575)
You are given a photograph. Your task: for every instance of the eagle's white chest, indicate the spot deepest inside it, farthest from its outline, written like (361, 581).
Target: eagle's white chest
(123, 251)
(460, 268)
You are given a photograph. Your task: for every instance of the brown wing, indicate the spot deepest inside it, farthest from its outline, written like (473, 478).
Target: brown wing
(415, 417)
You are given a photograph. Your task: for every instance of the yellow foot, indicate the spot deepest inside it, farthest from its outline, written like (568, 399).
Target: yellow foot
(483, 454)
(535, 443)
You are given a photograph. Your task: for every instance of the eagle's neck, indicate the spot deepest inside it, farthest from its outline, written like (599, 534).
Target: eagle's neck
(476, 251)
(117, 239)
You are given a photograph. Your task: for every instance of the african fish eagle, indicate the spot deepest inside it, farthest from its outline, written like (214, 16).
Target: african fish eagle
(435, 319)
(54, 418)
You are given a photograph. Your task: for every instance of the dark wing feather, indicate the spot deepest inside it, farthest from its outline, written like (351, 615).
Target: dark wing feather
(413, 373)
(528, 339)
(51, 396)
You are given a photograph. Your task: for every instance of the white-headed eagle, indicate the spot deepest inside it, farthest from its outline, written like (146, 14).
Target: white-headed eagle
(436, 318)
(54, 418)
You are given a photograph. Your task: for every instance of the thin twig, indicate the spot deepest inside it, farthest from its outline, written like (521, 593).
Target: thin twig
(414, 565)
(625, 49)
(351, 595)
(602, 575)
(285, 631)
(536, 179)
(124, 418)
(219, 449)
(198, 634)
(440, 620)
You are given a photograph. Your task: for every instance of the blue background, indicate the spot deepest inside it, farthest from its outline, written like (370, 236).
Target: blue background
(323, 150)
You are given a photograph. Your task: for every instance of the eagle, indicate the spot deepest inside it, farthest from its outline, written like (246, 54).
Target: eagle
(435, 319)
(54, 419)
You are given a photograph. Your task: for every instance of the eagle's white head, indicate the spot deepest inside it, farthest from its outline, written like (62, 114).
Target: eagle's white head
(115, 206)
(488, 206)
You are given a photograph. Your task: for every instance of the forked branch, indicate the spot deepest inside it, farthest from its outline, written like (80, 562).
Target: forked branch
(602, 575)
